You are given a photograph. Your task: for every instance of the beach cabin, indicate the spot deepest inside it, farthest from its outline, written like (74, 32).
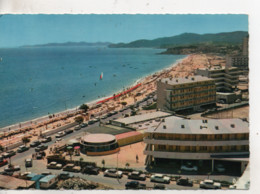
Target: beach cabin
(48, 182)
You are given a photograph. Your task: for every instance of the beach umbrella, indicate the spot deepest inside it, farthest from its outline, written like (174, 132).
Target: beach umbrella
(77, 147)
(69, 147)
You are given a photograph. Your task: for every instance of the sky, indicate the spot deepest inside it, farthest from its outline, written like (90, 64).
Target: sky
(18, 30)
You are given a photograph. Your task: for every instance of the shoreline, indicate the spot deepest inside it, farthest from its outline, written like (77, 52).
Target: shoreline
(142, 80)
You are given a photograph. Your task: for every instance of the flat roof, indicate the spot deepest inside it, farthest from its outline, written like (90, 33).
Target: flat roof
(143, 117)
(211, 126)
(128, 134)
(9, 182)
(98, 138)
(47, 178)
(182, 80)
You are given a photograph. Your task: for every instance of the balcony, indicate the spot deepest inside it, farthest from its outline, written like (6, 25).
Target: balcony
(220, 142)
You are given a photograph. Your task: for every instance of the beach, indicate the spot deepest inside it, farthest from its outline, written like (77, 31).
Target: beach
(142, 88)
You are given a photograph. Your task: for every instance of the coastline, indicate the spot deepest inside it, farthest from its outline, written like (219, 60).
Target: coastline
(73, 110)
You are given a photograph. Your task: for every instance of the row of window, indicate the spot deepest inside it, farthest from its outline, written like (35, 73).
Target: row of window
(209, 149)
(194, 137)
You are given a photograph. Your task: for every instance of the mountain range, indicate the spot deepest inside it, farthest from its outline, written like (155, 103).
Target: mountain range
(185, 39)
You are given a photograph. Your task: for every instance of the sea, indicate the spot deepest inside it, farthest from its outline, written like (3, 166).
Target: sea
(36, 81)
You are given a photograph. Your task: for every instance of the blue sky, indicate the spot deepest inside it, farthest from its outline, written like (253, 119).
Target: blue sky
(17, 30)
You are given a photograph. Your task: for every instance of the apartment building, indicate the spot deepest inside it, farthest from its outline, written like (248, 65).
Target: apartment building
(239, 61)
(175, 94)
(198, 140)
(226, 79)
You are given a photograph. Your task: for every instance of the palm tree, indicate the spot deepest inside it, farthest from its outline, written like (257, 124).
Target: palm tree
(25, 140)
(127, 165)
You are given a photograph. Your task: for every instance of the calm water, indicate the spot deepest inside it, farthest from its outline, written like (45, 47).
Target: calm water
(38, 81)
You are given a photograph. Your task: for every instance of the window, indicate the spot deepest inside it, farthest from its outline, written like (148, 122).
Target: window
(162, 147)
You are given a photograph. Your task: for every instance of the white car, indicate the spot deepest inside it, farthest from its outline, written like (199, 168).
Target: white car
(113, 173)
(209, 184)
(220, 168)
(160, 178)
(189, 167)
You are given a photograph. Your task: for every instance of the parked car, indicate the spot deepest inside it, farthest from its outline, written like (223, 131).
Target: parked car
(104, 117)
(3, 162)
(90, 170)
(54, 165)
(209, 184)
(46, 139)
(41, 148)
(7, 173)
(9, 154)
(135, 185)
(57, 140)
(91, 122)
(60, 134)
(184, 182)
(220, 168)
(137, 176)
(83, 125)
(65, 175)
(68, 131)
(160, 178)
(22, 148)
(28, 163)
(159, 186)
(12, 168)
(68, 167)
(189, 167)
(77, 128)
(35, 143)
(46, 173)
(113, 173)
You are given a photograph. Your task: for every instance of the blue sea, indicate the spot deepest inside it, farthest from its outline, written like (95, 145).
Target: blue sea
(42, 80)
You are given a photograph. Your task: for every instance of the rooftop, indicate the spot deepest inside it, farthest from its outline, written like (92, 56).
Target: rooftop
(218, 68)
(181, 80)
(98, 138)
(207, 126)
(143, 117)
(9, 182)
(47, 178)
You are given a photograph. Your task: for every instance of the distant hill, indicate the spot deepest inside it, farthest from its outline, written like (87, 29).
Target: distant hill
(185, 39)
(70, 44)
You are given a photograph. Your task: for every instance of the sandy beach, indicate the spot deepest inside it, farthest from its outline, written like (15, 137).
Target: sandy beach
(183, 68)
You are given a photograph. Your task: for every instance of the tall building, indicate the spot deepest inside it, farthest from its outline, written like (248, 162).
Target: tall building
(245, 46)
(174, 94)
(226, 79)
(199, 141)
(239, 61)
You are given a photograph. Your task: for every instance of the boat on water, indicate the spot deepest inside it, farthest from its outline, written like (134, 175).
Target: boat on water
(101, 76)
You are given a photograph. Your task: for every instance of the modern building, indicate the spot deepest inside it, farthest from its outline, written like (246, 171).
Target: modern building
(175, 94)
(239, 61)
(226, 79)
(98, 144)
(245, 46)
(200, 141)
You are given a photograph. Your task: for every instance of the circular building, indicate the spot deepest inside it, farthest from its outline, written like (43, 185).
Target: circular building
(98, 144)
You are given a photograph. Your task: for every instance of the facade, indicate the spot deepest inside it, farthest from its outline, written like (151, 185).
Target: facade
(239, 61)
(174, 94)
(228, 98)
(226, 79)
(98, 144)
(245, 46)
(198, 140)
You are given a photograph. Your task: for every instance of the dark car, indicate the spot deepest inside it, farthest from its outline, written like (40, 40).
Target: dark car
(9, 154)
(184, 182)
(135, 185)
(65, 175)
(7, 173)
(35, 143)
(69, 131)
(77, 128)
(3, 162)
(83, 125)
(41, 148)
(28, 163)
(22, 149)
(90, 170)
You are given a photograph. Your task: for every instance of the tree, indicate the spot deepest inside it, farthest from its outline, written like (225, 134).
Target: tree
(80, 161)
(25, 140)
(79, 119)
(103, 162)
(1, 148)
(84, 107)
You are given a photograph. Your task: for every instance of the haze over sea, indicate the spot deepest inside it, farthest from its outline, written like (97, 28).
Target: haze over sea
(40, 80)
